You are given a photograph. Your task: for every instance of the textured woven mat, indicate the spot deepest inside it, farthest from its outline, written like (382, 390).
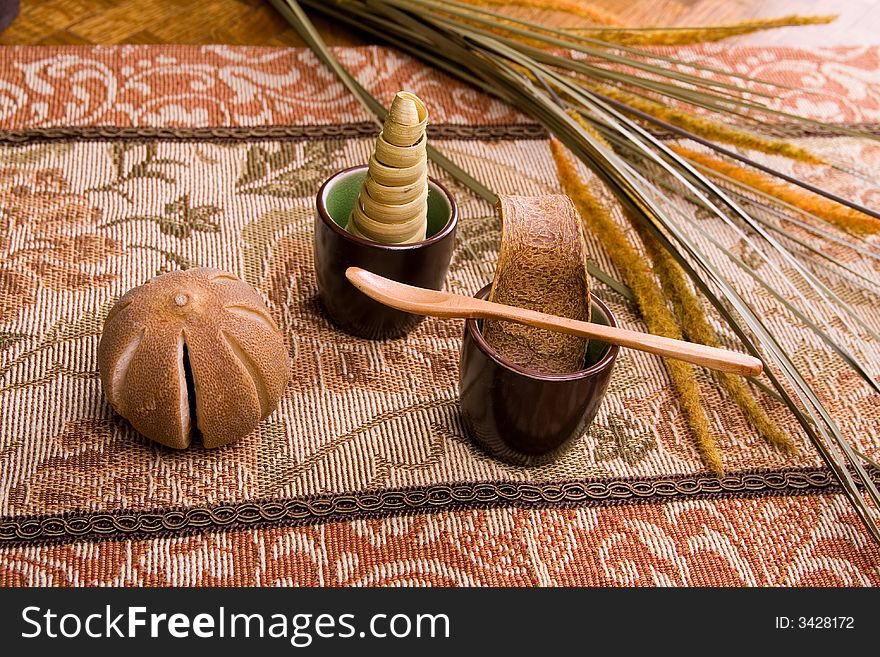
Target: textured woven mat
(121, 163)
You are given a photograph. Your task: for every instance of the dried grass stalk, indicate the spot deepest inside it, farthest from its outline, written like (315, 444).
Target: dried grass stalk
(594, 15)
(709, 129)
(696, 328)
(649, 296)
(589, 127)
(845, 218)
(678, 36)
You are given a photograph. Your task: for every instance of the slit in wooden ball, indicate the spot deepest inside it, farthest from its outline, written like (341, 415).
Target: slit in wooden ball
(193, 353)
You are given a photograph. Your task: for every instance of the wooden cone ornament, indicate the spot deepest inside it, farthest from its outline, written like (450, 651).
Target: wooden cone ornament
(392, 207)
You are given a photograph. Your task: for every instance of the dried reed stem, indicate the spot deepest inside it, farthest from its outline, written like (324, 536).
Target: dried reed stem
(848, 219)
(589, 127)
(709, 129)
(681, 36)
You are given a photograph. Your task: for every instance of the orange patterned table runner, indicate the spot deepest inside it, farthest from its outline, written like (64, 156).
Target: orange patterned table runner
(122, 162)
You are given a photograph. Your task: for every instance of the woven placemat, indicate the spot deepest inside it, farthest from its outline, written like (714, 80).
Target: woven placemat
(124, 162)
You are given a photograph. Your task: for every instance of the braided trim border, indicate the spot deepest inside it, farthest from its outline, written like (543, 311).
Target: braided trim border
(362, 130)
(159, 523)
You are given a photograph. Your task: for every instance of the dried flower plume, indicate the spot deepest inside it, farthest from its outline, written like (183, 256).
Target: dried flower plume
(696, 328)
(848, 219)
(649, 297)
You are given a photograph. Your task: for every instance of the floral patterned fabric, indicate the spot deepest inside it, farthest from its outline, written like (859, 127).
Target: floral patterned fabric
(120, 163)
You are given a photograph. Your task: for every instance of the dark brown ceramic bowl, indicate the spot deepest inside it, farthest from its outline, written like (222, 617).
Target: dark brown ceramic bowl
(524, 417)
(423, 263)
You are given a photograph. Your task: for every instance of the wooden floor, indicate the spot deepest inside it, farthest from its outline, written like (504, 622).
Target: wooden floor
(255, 22)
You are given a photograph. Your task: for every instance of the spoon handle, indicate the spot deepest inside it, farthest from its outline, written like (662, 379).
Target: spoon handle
(714, 358)
(446, 304)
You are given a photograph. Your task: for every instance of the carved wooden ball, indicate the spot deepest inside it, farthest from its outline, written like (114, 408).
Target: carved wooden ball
(192, 352)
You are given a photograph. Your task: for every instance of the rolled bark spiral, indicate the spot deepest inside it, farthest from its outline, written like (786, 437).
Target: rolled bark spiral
(392, 206)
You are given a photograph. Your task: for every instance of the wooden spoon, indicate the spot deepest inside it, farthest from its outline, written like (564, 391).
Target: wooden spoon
(421, 301)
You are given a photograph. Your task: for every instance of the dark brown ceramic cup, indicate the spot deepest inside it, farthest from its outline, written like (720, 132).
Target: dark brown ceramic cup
(423, 264)
(524, 417)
